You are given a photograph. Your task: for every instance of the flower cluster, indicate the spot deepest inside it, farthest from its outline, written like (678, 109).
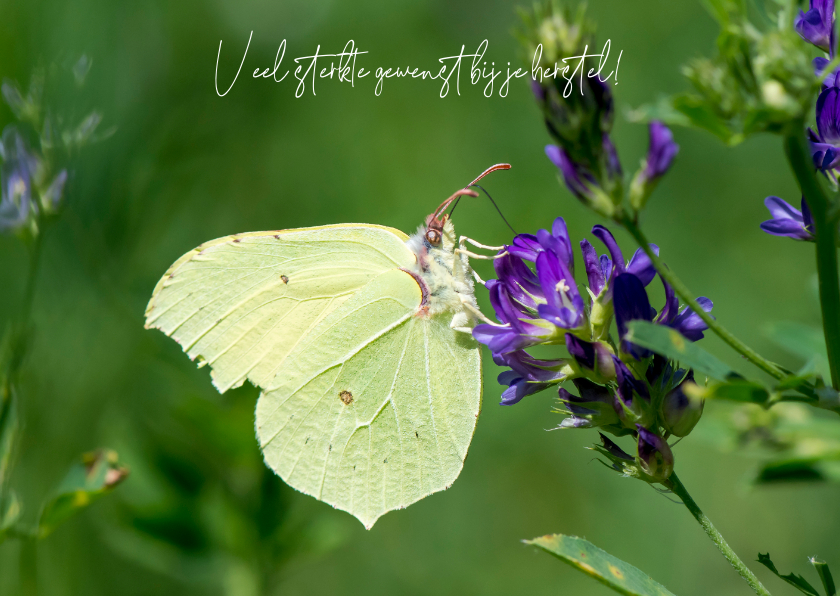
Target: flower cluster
(621, 387)
(31, 150)
(815, 26)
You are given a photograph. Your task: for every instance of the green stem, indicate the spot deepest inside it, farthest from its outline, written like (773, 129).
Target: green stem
(825, 230)
(689, 299)
(678, 489)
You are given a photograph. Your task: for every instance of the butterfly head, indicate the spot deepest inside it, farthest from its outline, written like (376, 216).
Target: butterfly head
(436, 221)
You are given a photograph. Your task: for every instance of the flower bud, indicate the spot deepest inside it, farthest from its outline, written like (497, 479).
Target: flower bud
(595, 359)
(661, 153)
(682, 407)
(593, 408)
(655, 457)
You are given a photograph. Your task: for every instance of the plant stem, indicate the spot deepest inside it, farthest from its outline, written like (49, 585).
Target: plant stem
(825, 230)
(677, 487)
(689, 299)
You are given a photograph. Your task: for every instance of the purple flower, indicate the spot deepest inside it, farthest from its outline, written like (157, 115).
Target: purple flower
(655, 456)
(16, 174)
(661, 152)
(528, 375)
(687, 322)
(564, 306)
(632, 303)
(825, 143)
(639, 265)
(517, 330)
(577, 179)
(788, 221)
(817, 25)
(829, 79)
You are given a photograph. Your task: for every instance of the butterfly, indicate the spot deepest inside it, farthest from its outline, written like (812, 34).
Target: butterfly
(359, 337)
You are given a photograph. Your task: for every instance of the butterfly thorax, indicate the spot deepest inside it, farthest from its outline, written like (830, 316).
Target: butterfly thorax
(447, 276)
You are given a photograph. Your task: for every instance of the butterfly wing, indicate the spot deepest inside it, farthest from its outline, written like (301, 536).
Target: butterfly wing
(376, 407)
(242, 303)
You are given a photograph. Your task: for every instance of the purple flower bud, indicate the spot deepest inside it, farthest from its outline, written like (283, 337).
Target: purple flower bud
(661, 152)
(595, 358)
(788, 221)
(614, 449)
(631, 304)
(577, 179)
(681, 412)
(817, 25)
(655, 456)
(660, 156)
(594, 406)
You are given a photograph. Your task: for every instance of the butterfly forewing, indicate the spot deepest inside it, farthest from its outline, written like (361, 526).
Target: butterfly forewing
(242, 303)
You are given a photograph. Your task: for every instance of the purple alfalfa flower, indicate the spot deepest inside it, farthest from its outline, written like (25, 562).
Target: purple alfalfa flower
(530, 305)
(661, 153)
(685, 321)
(788, 221)
(528, 375)
(639, 265)
(817, 24)
(825, 142)
(592, 408)
(19, 166)
(517, 328)
(631, 303)
(582, 182)
(829, 79)
(564, 305)
(655, 457)
(578, 180)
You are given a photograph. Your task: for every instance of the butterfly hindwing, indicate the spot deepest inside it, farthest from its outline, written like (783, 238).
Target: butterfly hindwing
(241, 303)
(376, 407)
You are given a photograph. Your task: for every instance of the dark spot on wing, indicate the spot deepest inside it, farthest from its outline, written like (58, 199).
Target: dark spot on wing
(285, 279)
(330, 447)
(237, 240)
(416, 434)
(346, 397)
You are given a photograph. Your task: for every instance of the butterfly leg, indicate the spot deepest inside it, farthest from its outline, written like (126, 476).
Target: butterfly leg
(462, 243)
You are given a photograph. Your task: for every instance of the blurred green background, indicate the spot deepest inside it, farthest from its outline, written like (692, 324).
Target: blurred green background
(200, 514)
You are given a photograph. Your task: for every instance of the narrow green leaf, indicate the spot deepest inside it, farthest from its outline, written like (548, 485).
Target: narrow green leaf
(610, 571)
(97, 474)
(668, 342)
(740, 390)
(825, 576)
(9, 513)
(797, 581)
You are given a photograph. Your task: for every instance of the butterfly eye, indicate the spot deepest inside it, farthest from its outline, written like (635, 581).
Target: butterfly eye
(433, 236)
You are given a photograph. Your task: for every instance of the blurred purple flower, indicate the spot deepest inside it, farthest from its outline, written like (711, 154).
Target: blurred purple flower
(577, 179)
(661, 152)
(594, 407)
(825, 143)
(527, 376)
(16, 174)
(817, 24)
(788, 221)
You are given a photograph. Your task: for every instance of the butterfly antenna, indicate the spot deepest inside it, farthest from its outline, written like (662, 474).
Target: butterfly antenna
(502, 215)
(498, 166)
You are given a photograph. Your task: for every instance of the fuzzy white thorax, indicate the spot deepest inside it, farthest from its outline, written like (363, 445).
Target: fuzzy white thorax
(447, 275)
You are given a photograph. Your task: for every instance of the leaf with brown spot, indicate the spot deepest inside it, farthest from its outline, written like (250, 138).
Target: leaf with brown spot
(607, 569)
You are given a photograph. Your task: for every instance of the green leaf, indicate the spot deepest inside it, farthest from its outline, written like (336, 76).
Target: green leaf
(97, 474)
(797, 581)
(825, 576)
(610, 571)
(740, 390)
(668, 342)
(702, 116)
